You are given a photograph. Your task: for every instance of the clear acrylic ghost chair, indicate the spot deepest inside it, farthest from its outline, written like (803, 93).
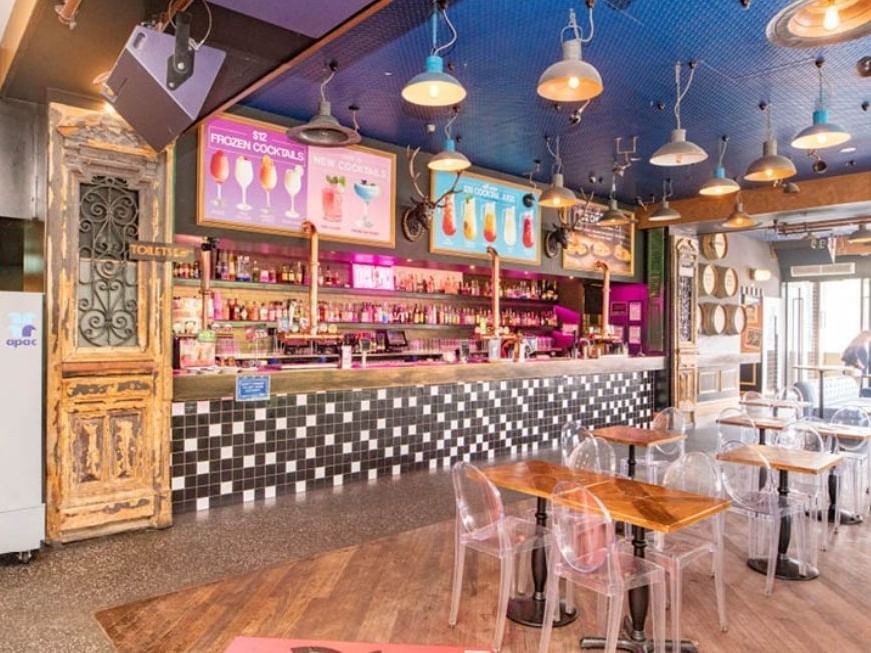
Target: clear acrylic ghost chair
(571, 435)
(794, 412)
(694, 472)
(593, 454)
(482, 526)
(755, 410)
(854, 471)
(760, 502)
(745, 432)
(585, 552)
(813, 488)
(658, 457)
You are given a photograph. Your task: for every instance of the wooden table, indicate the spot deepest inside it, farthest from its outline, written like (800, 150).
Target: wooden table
(642, 505)
(767, 402)
(634, 436)
(784, 461)
(821, 371)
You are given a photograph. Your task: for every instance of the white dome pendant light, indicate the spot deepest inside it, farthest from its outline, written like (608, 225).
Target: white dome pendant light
(557, 196)
(613, 216)
(739, 218)
(572, 79)
(434, 87)
(679, 151)
(822, 133)
(449, 160)
(720, 184)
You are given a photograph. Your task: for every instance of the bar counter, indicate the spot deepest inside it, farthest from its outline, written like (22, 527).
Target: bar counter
(327, 427)
(304, 379)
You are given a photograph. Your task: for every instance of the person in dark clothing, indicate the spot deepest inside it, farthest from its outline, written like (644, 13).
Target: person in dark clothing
(856, 353)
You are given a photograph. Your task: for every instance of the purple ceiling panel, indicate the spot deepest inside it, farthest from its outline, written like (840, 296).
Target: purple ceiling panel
(313, 18)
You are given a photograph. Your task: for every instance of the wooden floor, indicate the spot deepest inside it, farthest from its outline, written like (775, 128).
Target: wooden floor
(397, 590)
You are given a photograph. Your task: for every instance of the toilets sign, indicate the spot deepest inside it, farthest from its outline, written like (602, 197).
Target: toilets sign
(20, 330)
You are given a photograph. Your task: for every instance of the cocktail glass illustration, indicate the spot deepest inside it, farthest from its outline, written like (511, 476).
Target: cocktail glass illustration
(331, 198)
(490, 222)
(366, 191)
(219, 168)
(293, 184)
(244, 176)
(528, 235)
(449, 226)
(268, 181)
(470, 228)
(510, 221)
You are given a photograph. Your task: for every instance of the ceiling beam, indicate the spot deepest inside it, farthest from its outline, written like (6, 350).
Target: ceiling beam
(22, 11)
(309, 52)
(815, 193)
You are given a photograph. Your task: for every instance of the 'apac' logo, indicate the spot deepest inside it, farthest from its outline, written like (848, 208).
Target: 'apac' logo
(21, 327)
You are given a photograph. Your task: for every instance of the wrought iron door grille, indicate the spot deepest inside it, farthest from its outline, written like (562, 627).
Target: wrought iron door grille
(108, 282)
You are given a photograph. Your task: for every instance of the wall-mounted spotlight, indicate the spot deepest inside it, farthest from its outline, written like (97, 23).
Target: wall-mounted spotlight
(760, 274)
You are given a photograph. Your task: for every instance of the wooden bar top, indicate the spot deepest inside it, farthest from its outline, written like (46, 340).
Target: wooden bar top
(649, 506)
(194, 387)
(789, 460)
(635, 435)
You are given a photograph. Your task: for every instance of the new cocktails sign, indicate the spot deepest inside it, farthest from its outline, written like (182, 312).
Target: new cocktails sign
(252, 177)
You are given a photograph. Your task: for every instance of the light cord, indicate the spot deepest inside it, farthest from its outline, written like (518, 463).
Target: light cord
(324, 84)
(576, 29)
(449, 123)
(681, 95)
(557, 166)
(453, 40)
(724, 143)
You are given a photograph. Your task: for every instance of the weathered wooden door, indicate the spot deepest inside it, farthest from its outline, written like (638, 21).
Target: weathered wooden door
(108, 377)
(684, 326)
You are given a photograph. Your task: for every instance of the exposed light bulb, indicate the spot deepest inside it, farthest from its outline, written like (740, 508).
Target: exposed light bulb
(574, 82)
(769, 172)
(832, 18)
(433, 90)
(822, 138)
(556, 201)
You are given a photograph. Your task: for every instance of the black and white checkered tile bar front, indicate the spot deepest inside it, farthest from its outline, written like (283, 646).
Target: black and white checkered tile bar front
(227, 452)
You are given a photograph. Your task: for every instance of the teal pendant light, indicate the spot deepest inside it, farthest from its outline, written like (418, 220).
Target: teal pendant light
(720, 184)
(449, 160)
(434, 87)
(822, 133)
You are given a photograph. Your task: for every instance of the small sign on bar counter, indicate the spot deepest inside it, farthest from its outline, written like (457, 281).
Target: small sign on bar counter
(252, 387)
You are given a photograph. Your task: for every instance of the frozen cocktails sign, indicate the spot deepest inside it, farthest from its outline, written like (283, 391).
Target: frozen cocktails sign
(252, 177)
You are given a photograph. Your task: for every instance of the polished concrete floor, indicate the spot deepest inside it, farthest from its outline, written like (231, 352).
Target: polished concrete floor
(49, 604)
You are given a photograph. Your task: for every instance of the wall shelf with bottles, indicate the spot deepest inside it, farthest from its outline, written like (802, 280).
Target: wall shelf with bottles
(286, 288)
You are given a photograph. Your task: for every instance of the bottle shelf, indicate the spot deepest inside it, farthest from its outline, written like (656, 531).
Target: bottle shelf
(289, 288)
(408, 326)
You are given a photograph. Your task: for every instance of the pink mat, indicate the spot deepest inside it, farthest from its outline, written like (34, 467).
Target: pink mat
(270, 645)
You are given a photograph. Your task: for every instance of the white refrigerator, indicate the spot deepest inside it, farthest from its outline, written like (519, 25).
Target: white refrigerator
(22, 509)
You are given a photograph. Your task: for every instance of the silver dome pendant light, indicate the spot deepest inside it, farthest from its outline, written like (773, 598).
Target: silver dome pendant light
(613, 216)
(557, 196)
(323, 130)
(822, 133)
(665, 213)
(739, 218)
(679, 151)
(572, 79)
(720, 184)
(771, 166)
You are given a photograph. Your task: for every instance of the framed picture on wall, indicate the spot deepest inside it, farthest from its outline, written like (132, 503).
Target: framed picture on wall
(751, 337)
(618, 309)
(635, 334)
(635, 311)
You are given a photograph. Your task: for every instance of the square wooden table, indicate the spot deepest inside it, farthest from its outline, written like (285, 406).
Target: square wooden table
(784, 461)
(643, 505)
(634, 436)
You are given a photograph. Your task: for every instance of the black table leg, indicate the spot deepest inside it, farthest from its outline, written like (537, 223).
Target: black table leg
(630, 461)
(763, 473)
(529, 611)
(633, 638)
(847, 518)
(787, 568)
(820, 402)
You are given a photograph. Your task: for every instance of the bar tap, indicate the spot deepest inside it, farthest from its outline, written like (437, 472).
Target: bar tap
(606, 296)
(495, 274)
(311, 231)
(208, 245)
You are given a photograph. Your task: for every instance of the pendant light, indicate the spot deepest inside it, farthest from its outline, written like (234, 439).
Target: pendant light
(771, 166)
(822, 133)
(720, 184)
(679, 151)
(739, 219)
(613, 216)
(449, 160)
(557, 196)
(571, 79)
(861, 236)
(434, 87)
(323, 130)
(665, 213)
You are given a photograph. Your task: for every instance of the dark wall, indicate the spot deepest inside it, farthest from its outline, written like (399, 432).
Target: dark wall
(186, 210)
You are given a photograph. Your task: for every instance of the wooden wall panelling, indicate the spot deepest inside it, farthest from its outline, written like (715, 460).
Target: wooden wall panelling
(108, 379)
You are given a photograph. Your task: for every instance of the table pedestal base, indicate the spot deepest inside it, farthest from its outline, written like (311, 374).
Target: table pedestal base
(787, 568)
(528, 611)
(847, 518)
(628, 643)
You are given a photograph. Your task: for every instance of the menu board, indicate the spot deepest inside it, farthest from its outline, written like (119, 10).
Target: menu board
(485, 212)
(251, 176)
(590, 242)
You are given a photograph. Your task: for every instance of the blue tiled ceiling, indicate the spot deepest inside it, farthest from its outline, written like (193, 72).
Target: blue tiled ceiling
(504, 45)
